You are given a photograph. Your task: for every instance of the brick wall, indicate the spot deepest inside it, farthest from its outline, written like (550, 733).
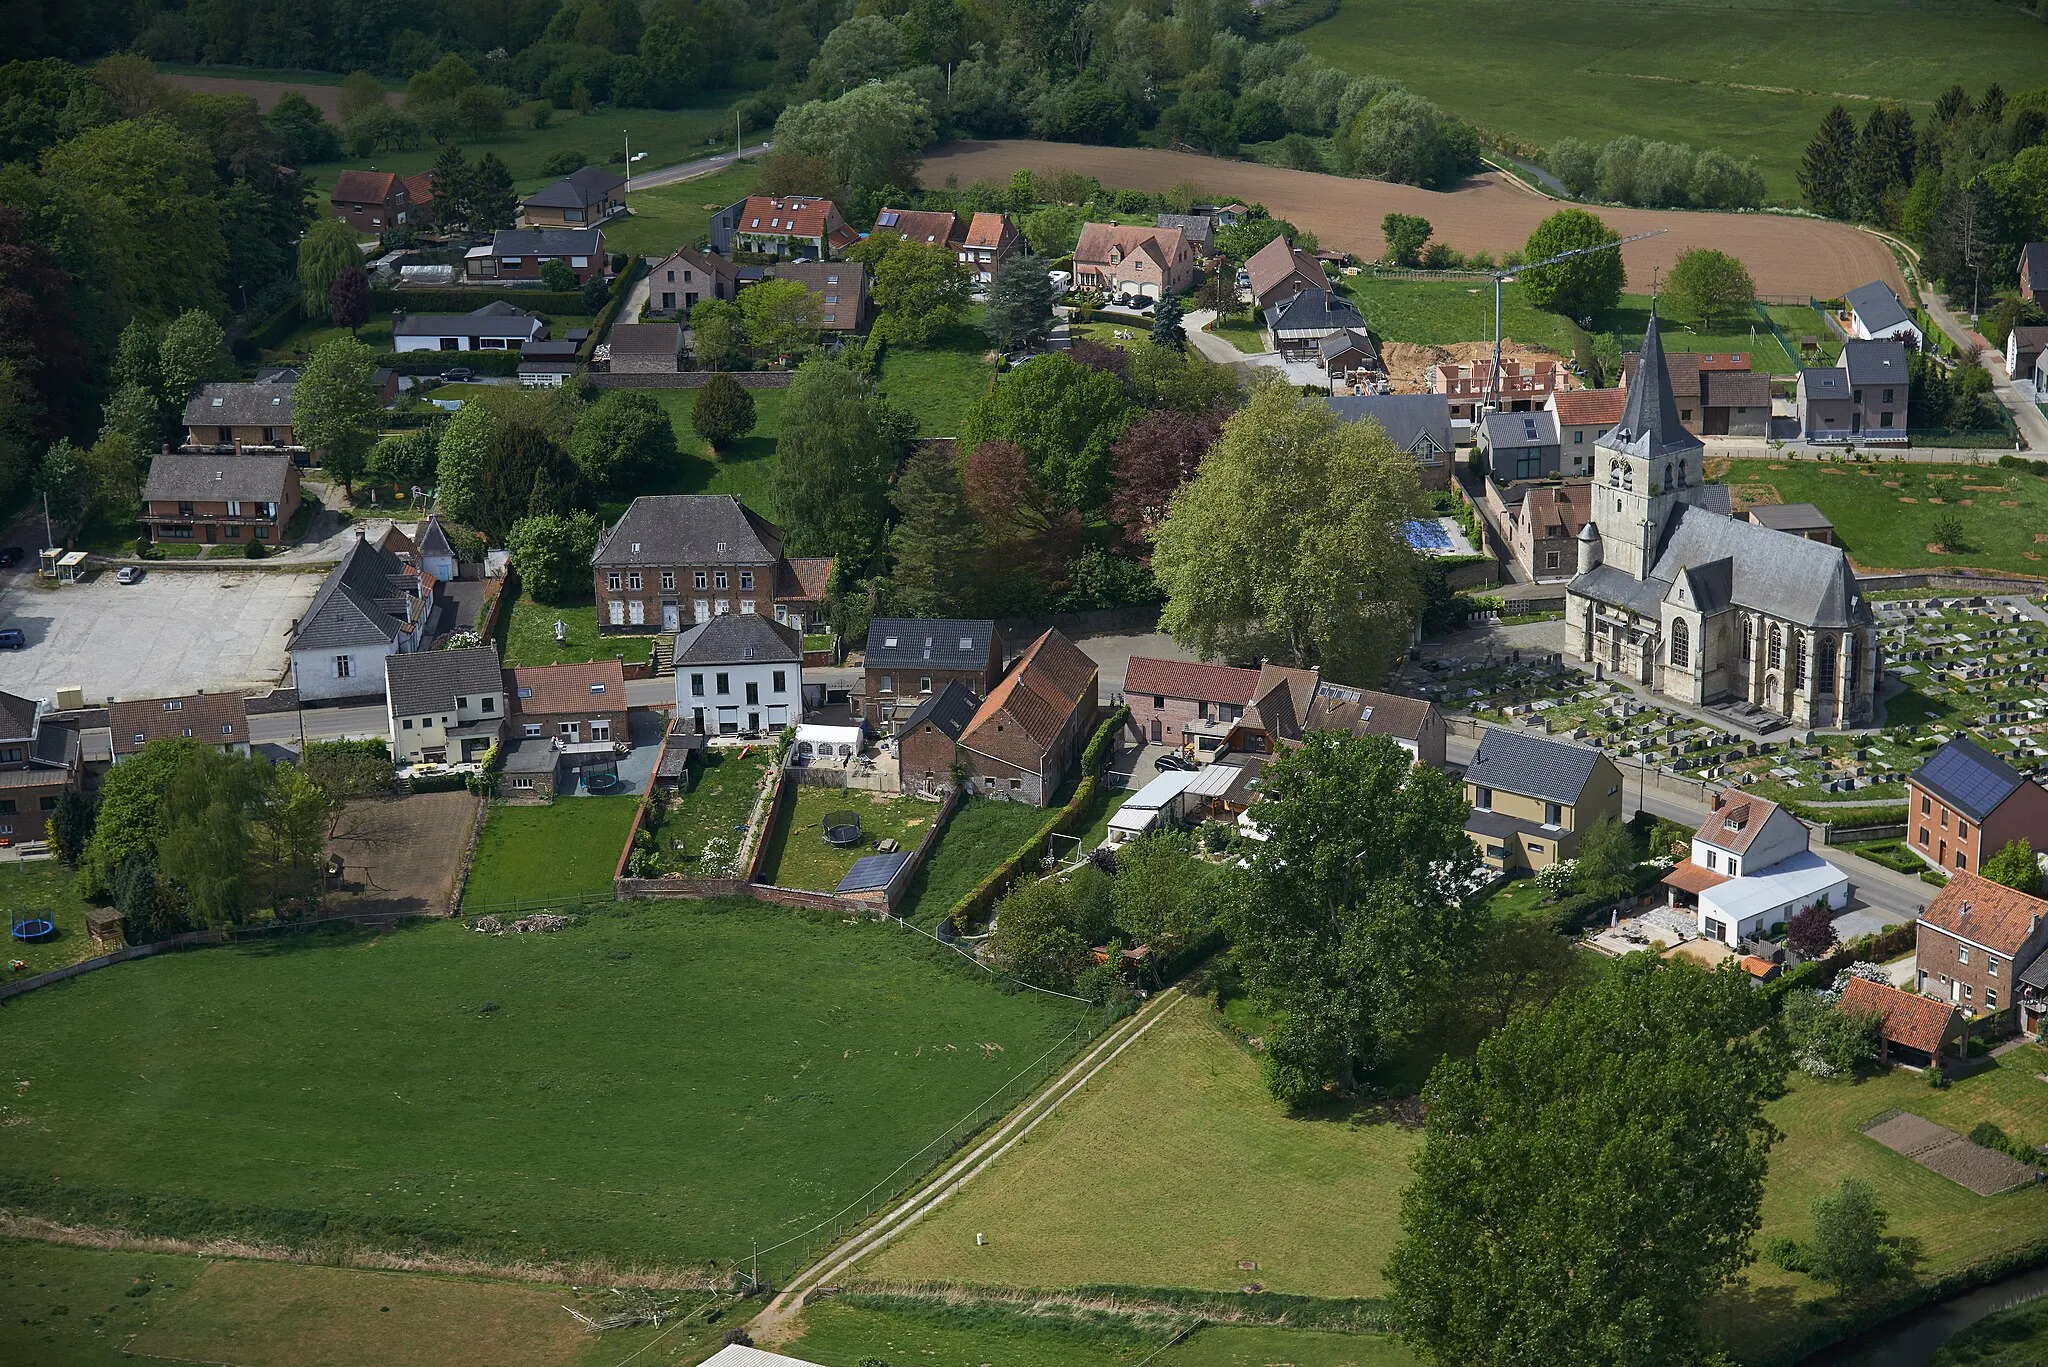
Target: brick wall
(688, 379)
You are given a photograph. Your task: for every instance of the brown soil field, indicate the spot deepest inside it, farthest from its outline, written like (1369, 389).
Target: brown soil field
(402, 855)
(1492, 213)
(327, 98)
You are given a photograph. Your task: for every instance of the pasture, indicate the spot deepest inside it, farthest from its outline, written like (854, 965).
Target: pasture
(1747, 76)
(658, 1087)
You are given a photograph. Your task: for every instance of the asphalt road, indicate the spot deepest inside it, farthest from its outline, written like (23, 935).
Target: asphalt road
(690, 170)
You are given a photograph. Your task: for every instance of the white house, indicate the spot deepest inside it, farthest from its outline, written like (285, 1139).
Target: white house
(1876, 314)
(370, 606)
(1751, 870)
(740, 674)
(444, 706)
(497, 326)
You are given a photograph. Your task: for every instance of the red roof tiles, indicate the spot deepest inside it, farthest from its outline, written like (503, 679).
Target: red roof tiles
(1186, 679)
(1909, 1019)
(1985, 913)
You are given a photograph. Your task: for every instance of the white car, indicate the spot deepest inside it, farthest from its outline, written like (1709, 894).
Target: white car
(128, 574)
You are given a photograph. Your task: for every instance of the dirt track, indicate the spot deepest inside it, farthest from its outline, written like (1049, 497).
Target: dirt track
(327, 98)
(1491, 213)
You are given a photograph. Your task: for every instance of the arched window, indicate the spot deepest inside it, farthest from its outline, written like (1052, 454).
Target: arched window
(1681, 472)
(1799, 639)
(1855, 660)
(1748, 639)
(1824, 667)
(1667, 474)
(1775, 648)
(1681, 644)
(1628, 476)
(1614, 474)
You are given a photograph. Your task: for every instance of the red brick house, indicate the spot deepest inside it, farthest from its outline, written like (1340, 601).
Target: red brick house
(677, 559)
(374, 202)
(685, 276)
(1965, 803)
(1125, 261)
(220, 499)
(2034, 272)
(217, 719)
(1168, 697)
(908, 660)
(519, 253)
(1027, 736)
(991, 239)
(791, 225)
(575, 703)
(928, 747)
(937, 227)
(38, 762)
(1974, 940)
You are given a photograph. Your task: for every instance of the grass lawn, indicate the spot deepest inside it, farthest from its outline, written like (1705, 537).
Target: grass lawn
(300, 345)
(981, 834)
(78, 1307)
(658, 1086)
(1884, 513)
(1798, 322)
(747, 471)
(672, 216)
(1749, 77)
(798, 856)
(1179, 1126)
(938, 383)
(716, 808)
(45, 887)
(1437, 312)
(529, 634)
(560, 850)
(1113, 801)
(2011, 1338)
(1241, 331)
(839, 1334)
(1627, 323)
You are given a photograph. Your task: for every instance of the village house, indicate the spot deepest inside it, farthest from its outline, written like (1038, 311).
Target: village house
(573, 703)
(519, 253)
(1523, 386)
(1917, 1031)
(1027, 736)
(1132, 262)
(375, 202)
(39, 761)
(677, 281)
(578, 200)
(219, 720)
(909, 659)
(1167, 697)
(214, 499)
(1532, 798)
(497, 326)
(1199, 228)
(2024, 350)
(1543, 527)
(548, 364)
(840, 287)
(1278, 271)
(1520, 446)
(1419, 424)
(646, 348)
(1862, 399)
(1800, 519)
(1749, 871)
(2033, 272)
(1415, 724)
(1974, 943)
(927, 746)
(990, 240)
(1296, 327)
(230, 415)
(444, 706)
(1964, 804)
(1349, 358)
(790, 225)
(738, 675)
(1875, 313)
(933, 227)
(676, 558)
(1582, 415)
(1716, 392)
(371, 605)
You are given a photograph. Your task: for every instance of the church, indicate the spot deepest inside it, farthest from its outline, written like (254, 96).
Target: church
(1705, 608)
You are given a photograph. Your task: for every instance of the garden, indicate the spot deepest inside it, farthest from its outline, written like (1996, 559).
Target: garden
(700, 833)
(799, 856)
(978, 837)
(46, 889)
(565, 851)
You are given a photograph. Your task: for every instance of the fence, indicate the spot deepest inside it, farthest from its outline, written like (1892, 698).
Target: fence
(1849, 835)
(689, 379)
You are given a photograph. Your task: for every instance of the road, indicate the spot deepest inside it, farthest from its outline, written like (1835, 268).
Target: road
(2033, 424)
(690, 170)
(369, 721)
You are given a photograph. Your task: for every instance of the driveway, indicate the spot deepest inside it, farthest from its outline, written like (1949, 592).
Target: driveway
(2033, 424)
(177, 631)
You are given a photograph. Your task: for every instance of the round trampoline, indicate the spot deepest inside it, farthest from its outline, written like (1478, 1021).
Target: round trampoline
(842, 828)
(30, 925)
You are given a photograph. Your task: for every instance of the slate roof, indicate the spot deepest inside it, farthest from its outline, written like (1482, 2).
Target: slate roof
(17, 716)
(515, 322)
(1051, 681)
(1790, 517)
(938, 226)
(432, 540)
(939, 643)
(1983, 912)
(1585, 407)
(1734, 826)
(547, 242)
(1350, 339)
(1824, 382)
(1781, 575)
(578, 190)
(739, 638)
(212, 718)
(363, 601)
(1199, 228)
(1876, 306)
(266, 403)
(1531, 766)
(1406, 418)
(1315, 311)
(1365, 712)
(1969, 778)
(545, 690)
(418, 682)
(2035, 975)
(2034, 258)
(1910, 1019)
(201, 478)
(1875, 362)
(1507, 431)
(950, 709)
(561, 349)
(1188, 679)
(690, 529)
(647, 339)
(1648, 427)
(1734, 389)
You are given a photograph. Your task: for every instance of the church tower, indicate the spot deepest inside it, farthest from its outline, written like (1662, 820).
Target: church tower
(1645, 467)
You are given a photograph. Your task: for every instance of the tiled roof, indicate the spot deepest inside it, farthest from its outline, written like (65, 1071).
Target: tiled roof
(422, 681)
(739, 638)
(1022, 717)
(1983, 912)
(1585, 407)
(786, 215)
(1187, 679)
(420, 189)
(940, 643)
(647, 339)
(1549, 506)
(938, 226)
(212, 718)
(1968, 777)
(1300, 686)
(1531, 766)
(266, 403)
(1099, 239)
(546, 689)
(217, 479)
(17, 716)
(1909, 1019)
(1690, 877)
(1270, 265)
(1364, 712)
(841, 288)
(804, 578)
(1735, 822)
(1734, 389)
(986, 231)
(362, 187)
(690, 529)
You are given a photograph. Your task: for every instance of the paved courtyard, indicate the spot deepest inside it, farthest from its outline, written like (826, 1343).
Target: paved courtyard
(175, 632)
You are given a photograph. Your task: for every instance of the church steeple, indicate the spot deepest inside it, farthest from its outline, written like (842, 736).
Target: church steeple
(1649, 426)
(1645, 466)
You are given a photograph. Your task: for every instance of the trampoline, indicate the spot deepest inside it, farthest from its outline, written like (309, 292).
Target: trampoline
(842, 828)
(30, 926)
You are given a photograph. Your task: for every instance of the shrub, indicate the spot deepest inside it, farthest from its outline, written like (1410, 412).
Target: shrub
(1785, 1252)
(254, 551)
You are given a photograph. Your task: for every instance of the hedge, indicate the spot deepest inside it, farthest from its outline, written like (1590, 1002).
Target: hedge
(438, 783)
(470, 300)
(601, 326)
(1061, 822)
(266, 335)
(434, 362)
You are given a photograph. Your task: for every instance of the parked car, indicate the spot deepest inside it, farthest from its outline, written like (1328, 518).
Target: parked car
(11, 638)
(1168, 762)
(10, 556)
(129, 574)
(458, 375)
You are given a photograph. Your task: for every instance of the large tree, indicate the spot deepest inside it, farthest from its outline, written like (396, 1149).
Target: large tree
(1882, 167)
(349, 299)
(622, 438)
(1164, 893)
(525, 473)
(464, 446)
(552, 554)
(718, 334)
(193, 351)
(722, 412)
(131, 814)
(147, 194)
(1356, 900)
(936, 542)
(327, 249)
(1065, 415)
(1707, 285)
(1592, 1176)
(1584, 285)
(920, 287)
(334, 407)
(782, 317)
(838, 447)
(1291, 544)
(871, 136)
(1153, 458)
(1019, 303)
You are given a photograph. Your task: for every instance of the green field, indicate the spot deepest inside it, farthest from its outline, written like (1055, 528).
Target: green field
(981, 833)
(1751, 77)
(1437, 312)
(528, 634)
(567, 848)
(1884, 512)
(938, 383)
(747, 471)
(798, 856)
(658, 1086)
(672, 216)
(1628, 323)
(2011, 1338)
(45, 887)
(1241, 331)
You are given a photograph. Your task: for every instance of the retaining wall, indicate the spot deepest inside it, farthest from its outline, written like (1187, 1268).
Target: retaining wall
(687, 379)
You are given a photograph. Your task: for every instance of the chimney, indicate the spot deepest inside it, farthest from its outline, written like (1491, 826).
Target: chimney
(1720, 800)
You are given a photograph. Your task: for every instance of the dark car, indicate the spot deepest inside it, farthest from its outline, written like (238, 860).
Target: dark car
(10, 556)
(458, 375)
(12, 639)
(1169, 762)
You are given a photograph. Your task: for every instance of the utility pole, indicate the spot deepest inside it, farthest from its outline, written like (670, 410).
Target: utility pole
(629, 161)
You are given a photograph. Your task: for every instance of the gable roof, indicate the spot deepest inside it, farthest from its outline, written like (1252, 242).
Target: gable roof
(1911, 1020)
(17, 716)
(1315, 311)
(495, 319)
(1531, 766)
(1199, 228)
(1875, 362)
(432, 540)
(987, 230)
(804, 578)
(1968, 777)
(370, 598)
(937, 226)
(1876, 306)
(690, 529)
(1050, 682)
(1098, 240)
(210, 718)
(951, 709)
(1405, 418)
(265, 403)
(1367, 712)
(1298, 686)
(1588, 407)
(599, 686)
(1269, 267)
(1790, 517)
(1648, 427)
(647, 339)
(363, 187)
(2034, 262)
(547, 241)
(420, 189)
(578, 190)
(788, 216)
(1736, 821)
(1780, 574)
(739, 638)
(844, 281)
(935, 643)
(1350, 339)
(223, 478)
(1983, 912)
(1189, 679)
(1823, 382)
(1734, 389)
(1506, 431)
(421, 681)
(1553, 509)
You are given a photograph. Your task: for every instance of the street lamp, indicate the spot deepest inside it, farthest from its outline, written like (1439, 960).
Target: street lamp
(630, 159)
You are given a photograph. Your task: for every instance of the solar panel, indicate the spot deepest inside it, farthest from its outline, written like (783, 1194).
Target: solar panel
(873, 872)
(1974, 785)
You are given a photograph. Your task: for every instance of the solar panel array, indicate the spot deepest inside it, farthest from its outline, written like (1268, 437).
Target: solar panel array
(873, 872)
(1974, 781)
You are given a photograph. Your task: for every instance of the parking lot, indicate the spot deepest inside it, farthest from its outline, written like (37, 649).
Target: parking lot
(175, 632)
